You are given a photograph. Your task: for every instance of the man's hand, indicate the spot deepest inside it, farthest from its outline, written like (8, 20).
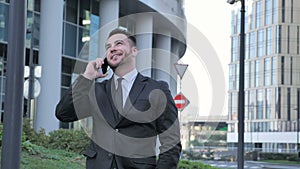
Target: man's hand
(91, 70)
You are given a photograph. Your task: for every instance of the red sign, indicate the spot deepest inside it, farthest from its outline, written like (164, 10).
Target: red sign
(181, 101)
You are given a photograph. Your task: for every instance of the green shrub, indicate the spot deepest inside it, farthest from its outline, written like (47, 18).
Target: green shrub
(30, 148)
(70, 140)
(36, 137)
(63, 139)
(277, 156)
(185, 164)
(49, 159)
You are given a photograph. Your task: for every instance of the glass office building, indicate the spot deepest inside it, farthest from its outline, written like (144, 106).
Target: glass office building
(63, 28)
(272, 76)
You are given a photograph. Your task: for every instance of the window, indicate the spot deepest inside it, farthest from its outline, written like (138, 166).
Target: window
(247, 39)
(4, 22)
(71, 11)
(81, 22)
(237, 77)
(267, 71)
(282, 69)
(269, 97)
(288, 39)
(292, 11)
(288, 104)
(278, 103)
(269, 40)
(268, 6)
(274, 70)
(252, 74)
(298, 40)
(278, 39)
(282, 11)
(231, 77)
(229, 106)
(247, 116)
(257, 73)
(70, 40)
(246, 75)
(291, 71)
(260, 104)
(235, 49)
(261, 43)
(274, 10)
(234, 105)
(252, 45)
(84, 14)
(258, 14)
(251, 103)
(233, 23)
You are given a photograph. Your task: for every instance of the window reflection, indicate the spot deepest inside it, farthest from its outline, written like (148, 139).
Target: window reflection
(3, 22)
(70, 40)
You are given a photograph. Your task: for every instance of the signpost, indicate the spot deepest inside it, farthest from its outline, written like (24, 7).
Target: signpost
(181, 101)
(180, 69)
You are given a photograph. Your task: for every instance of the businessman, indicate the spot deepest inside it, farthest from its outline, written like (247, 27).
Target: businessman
(129, 111)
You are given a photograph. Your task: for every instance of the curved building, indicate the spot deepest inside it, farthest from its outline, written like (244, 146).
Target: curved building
(64, 34)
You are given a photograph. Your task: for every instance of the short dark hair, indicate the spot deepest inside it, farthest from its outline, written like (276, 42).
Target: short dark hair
(124, 32)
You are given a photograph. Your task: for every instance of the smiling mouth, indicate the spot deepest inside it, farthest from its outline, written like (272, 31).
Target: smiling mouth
(115, 56)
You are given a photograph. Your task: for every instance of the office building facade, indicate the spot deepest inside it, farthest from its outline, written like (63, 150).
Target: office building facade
(64, 29)
(272, 76)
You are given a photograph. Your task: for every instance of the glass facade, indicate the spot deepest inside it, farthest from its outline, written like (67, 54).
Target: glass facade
(33, 22)
(81, 20)
(267, 71)
(272, 67)
(3, 21)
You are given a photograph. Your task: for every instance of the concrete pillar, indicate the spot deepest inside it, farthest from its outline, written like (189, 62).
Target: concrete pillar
(174, 76)
(51, 24)
(144, 30)
(162, 62)
(109, 16)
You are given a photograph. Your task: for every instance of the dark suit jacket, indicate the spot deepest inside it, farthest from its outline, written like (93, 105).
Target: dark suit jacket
(127, 140)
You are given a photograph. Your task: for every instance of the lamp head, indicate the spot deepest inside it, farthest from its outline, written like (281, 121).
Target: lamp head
(231, 1)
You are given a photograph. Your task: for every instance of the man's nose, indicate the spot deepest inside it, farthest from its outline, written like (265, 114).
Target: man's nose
(112, 49)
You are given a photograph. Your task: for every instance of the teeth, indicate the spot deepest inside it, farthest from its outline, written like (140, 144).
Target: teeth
(116, 55)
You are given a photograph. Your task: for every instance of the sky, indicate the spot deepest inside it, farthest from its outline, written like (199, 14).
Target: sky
(211, 18)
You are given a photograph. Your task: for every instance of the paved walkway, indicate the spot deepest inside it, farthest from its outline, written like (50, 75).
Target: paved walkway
(251, 165)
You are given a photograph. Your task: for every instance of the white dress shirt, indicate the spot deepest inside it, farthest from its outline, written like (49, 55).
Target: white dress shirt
(127, 83)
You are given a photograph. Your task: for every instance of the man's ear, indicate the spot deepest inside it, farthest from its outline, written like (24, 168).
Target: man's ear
(134, 50)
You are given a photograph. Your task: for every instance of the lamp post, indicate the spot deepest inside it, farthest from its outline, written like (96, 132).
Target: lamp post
(241, 97)
(298, 127)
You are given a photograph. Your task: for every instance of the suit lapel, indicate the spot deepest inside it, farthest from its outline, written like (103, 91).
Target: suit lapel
(105, 104)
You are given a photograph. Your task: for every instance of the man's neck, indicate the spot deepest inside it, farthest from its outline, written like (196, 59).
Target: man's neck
(122, 70)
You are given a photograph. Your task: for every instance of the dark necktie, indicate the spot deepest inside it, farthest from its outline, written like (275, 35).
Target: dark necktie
(119, 95)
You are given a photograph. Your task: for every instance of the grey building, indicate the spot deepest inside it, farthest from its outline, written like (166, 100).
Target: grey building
(272, 76)
(64, 36)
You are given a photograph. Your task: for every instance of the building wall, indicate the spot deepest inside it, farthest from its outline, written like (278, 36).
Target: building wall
(80, 21)
(272, 64)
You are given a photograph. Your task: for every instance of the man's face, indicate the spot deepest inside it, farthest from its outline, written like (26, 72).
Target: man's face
(118, 50)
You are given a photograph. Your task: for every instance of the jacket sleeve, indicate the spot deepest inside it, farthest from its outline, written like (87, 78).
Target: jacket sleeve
(169, 133)
(75, 103)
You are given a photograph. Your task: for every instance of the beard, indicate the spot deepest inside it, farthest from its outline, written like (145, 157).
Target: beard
(122, 61)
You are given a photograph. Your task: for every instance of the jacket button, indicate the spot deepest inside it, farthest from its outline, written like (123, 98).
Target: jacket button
(109, 155)
(117, 130)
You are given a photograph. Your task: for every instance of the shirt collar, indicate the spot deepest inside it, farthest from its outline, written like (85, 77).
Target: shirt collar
(130, 76)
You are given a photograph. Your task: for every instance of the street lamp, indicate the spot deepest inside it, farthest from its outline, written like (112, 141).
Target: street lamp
(241, 101)
(298, 127)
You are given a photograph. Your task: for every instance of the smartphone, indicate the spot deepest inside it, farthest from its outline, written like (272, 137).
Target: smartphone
(104, 66)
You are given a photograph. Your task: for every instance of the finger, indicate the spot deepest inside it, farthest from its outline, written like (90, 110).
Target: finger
(99, 62)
